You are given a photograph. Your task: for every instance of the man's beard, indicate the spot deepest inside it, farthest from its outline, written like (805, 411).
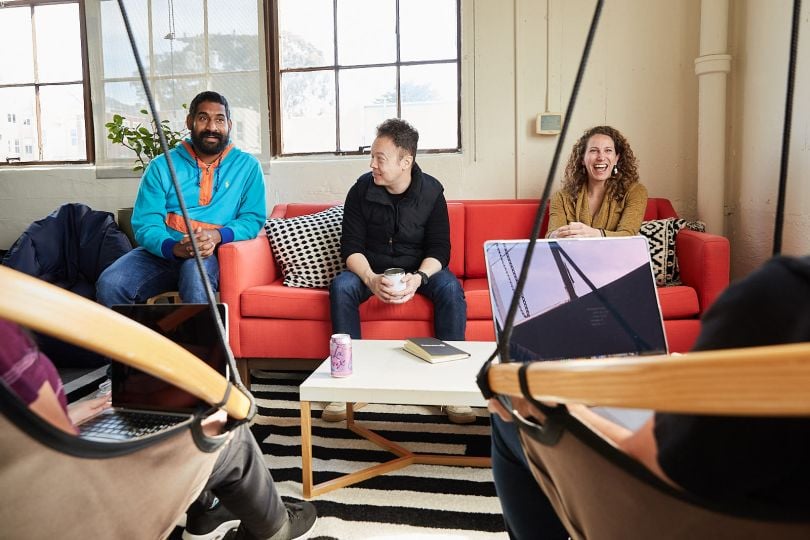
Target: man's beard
(208, 148)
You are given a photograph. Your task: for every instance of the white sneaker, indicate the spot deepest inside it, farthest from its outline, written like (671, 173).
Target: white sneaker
(336, 411)
(460, 414)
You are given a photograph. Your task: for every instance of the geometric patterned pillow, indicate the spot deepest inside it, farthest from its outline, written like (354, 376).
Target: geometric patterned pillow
(307, 248)
(661, 235)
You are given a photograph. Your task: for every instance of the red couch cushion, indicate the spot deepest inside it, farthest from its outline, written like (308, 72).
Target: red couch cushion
(659, 209)
(486, 222)
(476, 291)
(275, 301)
(455, 213)
(678, 302)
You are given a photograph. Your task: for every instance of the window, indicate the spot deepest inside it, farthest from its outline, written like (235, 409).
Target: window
(44, 80)
(344, 66)
(186, 46)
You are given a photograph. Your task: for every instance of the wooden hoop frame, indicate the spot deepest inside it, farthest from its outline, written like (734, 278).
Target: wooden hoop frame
(753, 381)
(50, 310)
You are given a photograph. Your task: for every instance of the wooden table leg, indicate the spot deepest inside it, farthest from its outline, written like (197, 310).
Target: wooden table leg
(306, 448)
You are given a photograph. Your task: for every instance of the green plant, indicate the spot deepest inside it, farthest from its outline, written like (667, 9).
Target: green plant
(143, 139)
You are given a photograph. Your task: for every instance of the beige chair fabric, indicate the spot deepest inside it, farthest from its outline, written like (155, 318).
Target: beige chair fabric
(47, 494)
(597, 498)
(600, 493)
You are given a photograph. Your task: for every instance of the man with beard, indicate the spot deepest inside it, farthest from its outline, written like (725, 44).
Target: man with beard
(223, 190)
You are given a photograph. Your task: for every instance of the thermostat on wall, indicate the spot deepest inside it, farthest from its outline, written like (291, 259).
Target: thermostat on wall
(549, 123)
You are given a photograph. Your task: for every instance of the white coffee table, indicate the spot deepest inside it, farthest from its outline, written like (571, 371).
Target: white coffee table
(385, 373)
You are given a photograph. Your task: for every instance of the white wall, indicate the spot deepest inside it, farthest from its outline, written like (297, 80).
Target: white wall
(758, 88)
(640, 79)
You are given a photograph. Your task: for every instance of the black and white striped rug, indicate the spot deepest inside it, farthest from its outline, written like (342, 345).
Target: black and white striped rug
(419, 501)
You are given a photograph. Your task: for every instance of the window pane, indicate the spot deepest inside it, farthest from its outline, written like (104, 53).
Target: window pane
(428, 30)
(59, 49)
(115, 48)
(63, 131)
(15, 35)
(308, 112)
(183, 54)
(126, 99)
(242, 92)
(306, 33)
(233, 34)
(430, 103)
(366, 32)
(171, 95)
(367, 97)
(18, 124)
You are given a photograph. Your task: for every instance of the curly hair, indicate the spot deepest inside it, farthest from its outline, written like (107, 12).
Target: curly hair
(617, 185)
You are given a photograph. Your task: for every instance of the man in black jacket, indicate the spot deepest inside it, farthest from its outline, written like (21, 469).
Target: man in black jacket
(396, 217)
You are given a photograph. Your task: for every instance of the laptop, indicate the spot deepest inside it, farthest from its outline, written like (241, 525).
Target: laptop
(583, 298)
(143, 404)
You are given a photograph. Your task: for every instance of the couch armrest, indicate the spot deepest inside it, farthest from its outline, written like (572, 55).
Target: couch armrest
(703, 260)
(243, 265)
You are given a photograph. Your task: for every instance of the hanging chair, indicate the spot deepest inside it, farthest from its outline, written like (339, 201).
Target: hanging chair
(596, 489)
(56, 485)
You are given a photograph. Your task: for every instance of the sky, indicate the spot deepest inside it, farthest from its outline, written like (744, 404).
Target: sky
(602, 260)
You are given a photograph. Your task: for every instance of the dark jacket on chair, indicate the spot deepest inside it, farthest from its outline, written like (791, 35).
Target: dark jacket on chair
(69, 248)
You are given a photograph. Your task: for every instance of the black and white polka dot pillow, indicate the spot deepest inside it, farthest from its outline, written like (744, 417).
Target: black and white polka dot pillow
(307, 248)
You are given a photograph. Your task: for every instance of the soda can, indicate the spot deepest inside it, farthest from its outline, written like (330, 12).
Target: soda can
(340, 354)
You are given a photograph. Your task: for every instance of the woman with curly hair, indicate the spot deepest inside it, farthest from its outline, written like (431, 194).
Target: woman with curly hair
(601, 194)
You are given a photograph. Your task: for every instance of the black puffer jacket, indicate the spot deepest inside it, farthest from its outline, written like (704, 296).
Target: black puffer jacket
(69, 248)
(396, 235)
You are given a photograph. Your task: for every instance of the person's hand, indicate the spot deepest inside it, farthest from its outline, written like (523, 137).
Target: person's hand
(82, 410)
(575, 229)
(213, 424)
(207, 240)
(496, 407)
(383, 289)
(519, 404)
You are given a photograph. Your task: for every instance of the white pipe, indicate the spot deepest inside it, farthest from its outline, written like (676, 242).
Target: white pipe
(712, 68)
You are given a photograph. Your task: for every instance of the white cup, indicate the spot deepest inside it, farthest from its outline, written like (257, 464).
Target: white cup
(395, 276)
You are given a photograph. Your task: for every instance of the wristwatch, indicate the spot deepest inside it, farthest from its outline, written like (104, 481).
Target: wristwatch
(424, 276)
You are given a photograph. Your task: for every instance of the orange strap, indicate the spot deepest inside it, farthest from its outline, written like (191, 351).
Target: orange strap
(176, 222)
(207, 180)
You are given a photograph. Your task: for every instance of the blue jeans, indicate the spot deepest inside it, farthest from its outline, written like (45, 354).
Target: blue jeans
(526, 509)
(139, 275)
(348, 291)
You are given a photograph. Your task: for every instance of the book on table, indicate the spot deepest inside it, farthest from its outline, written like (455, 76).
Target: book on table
(433, 350)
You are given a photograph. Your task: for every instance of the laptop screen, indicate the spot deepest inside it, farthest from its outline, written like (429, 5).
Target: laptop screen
(583, 298)
(190, 326)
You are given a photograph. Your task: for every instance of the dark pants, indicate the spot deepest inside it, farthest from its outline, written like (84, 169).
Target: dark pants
(526, 509)
(139, 275)
(348, 291)
(242, 483)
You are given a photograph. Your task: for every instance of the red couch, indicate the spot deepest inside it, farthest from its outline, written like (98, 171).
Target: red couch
(269, 320)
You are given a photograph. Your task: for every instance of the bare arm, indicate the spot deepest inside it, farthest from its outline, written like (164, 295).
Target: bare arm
(47, 406)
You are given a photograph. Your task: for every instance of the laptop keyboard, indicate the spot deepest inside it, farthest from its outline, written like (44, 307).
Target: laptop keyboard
(123, 425)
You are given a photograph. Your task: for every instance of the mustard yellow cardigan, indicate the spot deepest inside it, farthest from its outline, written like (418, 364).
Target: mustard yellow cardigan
(617, 218)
